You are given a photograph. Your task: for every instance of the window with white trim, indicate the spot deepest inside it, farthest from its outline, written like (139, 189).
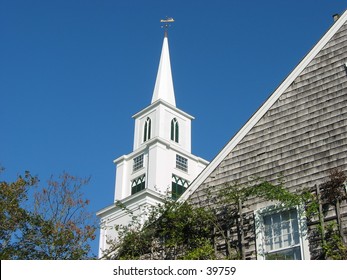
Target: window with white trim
(137, 162)
(147, 130)
(181, 163)
(174, 130)
(279, 234)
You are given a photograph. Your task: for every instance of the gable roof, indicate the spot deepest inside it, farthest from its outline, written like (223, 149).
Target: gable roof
(265, 107)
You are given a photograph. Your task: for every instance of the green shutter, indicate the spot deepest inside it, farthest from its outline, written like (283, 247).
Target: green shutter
(138, 184)
(149, 128)
(172, 130)
(178, 186)
(145, 132)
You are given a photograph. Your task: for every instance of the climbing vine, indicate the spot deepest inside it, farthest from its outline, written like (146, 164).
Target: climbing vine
(172, 230)
(326, 208)
(216, 224)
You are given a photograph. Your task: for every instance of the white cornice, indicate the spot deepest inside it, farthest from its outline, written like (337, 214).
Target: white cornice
(131, 155)
(129, 201)
(162, 102)
(158, 140)
(265, 107)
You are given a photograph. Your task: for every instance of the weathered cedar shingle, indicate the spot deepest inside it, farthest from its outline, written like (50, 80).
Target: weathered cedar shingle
(302, 136)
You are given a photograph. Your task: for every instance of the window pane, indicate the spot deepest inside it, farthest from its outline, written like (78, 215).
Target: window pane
(276, 229)
(149, 128)
(138, 184)
(178, 186)
(181, 163)
(172, 130)
(286, 228)
(138, 162)
(145, 132)
(288, 254)
(177, 190)
(281, 231)
(295, 226)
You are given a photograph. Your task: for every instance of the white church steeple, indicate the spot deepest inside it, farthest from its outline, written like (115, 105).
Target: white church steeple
(164, 88)
(161, 162)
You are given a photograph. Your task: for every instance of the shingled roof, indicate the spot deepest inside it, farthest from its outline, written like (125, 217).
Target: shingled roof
(301, 129)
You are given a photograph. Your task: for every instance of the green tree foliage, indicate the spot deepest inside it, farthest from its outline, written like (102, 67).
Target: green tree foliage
(45, 223)
(333, 189)
(231, 210)
(172, 230)
(13, 217)
(179, 230)
(333, 246)
(330, 194)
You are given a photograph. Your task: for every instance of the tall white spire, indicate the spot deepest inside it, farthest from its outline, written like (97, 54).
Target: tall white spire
(162, 134)
(163, 88)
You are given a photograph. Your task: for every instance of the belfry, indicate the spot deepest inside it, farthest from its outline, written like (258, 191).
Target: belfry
(161, 162)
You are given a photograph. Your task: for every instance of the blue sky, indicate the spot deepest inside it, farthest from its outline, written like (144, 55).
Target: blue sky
(73, 72)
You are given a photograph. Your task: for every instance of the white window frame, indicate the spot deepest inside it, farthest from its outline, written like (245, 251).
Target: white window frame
(260, 234)
(181, 163)
(138, 162)
(174, 130)
(147, 127)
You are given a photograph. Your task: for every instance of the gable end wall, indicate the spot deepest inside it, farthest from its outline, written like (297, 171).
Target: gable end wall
(302, 136)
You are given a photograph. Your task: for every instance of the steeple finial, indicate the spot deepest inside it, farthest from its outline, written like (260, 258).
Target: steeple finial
(163, 88)
(166, 24)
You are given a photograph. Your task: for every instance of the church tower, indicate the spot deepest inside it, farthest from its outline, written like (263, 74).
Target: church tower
(161, 162)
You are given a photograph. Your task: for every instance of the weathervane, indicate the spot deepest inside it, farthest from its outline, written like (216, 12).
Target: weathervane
(166, 23)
